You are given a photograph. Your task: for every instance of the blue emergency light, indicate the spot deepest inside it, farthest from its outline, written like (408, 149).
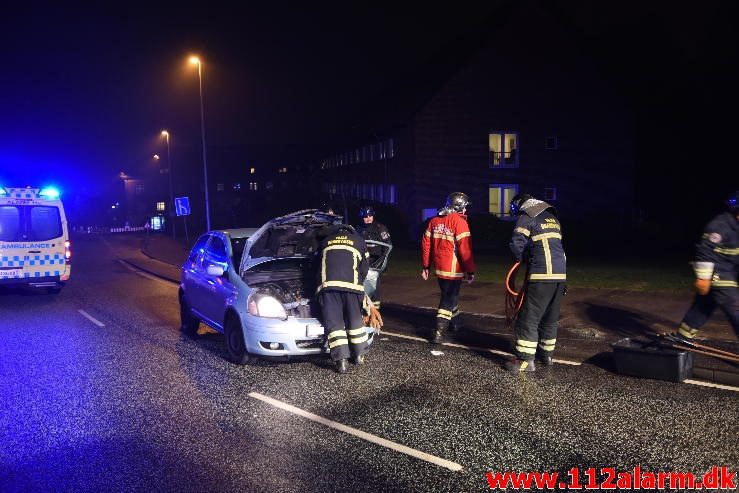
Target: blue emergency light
(49, 193)
(3, 191)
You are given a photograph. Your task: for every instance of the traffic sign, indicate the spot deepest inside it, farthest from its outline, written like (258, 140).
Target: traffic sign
(182, 206)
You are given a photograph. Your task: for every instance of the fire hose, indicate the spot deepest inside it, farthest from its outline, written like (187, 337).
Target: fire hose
(688, 345)
(513, 298)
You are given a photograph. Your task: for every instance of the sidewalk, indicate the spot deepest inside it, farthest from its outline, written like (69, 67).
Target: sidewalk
(590, 320)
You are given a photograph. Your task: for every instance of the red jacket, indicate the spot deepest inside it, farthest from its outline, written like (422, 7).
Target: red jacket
(446, 245)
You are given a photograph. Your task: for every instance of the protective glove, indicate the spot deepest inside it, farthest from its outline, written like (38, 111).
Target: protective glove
(374, 319)
(703, 286)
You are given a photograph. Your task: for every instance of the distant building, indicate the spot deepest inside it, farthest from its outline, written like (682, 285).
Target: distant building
(524, 110)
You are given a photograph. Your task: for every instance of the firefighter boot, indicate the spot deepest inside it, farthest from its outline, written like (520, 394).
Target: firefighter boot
(342, 365)
(520, 365)
(359, 359)
(545, 357)
(441, 326)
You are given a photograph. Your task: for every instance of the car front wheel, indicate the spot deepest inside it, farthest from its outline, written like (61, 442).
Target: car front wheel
(189, 323)
(235, 341)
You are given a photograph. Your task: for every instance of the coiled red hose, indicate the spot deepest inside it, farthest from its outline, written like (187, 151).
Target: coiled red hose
(514, 299)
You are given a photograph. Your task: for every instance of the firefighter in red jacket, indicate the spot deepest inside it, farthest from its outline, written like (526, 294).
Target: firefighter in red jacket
(446, 246)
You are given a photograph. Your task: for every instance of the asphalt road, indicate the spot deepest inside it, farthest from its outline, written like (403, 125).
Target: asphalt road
(99, 391)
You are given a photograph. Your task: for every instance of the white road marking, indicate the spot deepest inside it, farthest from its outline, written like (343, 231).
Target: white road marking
(473, 348)
(711, 384)
(452, 466)
(144, 274)
(91, 318)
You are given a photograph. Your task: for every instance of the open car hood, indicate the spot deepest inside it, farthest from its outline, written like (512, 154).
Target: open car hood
(292, 235)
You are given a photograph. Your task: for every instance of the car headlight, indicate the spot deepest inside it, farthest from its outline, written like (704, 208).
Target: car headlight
(262, 305)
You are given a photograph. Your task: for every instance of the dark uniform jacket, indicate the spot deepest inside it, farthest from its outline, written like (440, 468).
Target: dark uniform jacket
(720, 245)
(538, 235)
(375, 232)
(344, 261)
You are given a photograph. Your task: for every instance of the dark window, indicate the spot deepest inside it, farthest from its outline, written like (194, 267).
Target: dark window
(199, 245)
(45, 223)
(550, 194)
(10, 223)
(551, 143)
(217, 249)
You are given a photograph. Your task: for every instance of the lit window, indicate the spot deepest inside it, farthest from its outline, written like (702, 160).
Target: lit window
(220, 187)
(503, 149)
(500, 197)
(252, 170)
(282, 170)
(160, 206)
(551, 143)
(550, 194)
(237, 187)
(253, 186)
(390, 148)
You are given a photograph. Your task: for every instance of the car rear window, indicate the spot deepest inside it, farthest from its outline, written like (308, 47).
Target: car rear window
(10, 223)
(44, 223)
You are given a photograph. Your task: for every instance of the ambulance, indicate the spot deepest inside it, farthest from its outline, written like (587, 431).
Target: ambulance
(34, 240)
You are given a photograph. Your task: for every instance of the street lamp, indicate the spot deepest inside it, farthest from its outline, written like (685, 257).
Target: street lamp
(196, 61)
(165, 134)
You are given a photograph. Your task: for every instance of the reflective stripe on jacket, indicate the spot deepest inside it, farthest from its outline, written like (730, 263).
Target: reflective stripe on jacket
(446, 247)
(720, 245)
(541, 238)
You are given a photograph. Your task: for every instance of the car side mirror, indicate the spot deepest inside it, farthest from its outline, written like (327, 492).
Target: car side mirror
(215, 270)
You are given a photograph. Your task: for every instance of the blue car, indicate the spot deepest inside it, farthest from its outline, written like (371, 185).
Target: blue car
(257, 286)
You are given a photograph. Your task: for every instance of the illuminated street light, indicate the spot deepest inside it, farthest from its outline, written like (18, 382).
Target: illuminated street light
(165, 134)
(196, 61)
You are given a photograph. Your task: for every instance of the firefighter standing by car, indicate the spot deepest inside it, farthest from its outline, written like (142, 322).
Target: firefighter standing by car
(716, 267)
(343, 267)
(446, 246)
(537, 240)
(374, 231)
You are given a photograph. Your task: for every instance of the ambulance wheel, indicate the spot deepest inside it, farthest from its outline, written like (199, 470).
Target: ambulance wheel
(235, 341)
(189, 323)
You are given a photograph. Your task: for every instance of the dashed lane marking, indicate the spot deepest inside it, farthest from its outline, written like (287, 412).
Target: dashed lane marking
(91, 318)
(452, 466)
(473, 348)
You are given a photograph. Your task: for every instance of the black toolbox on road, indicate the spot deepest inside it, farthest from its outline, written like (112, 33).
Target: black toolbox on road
(652, 360)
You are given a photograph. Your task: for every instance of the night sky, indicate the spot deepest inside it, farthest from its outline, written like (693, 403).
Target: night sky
(87, 89)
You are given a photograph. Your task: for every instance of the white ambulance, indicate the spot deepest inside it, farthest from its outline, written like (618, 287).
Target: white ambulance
(34, 240)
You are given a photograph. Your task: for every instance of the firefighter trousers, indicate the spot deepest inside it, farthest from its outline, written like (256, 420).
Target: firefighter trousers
(343, 322)
(448, 311)
(536, 325)
(703, 307)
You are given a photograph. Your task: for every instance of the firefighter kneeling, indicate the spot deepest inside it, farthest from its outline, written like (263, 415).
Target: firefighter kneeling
(343, 268)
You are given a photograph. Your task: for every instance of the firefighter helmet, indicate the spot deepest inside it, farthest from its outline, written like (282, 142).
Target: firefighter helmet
(457, 202)
(366, 211)
(518, 201)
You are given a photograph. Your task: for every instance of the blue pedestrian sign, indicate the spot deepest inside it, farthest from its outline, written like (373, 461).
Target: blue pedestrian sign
(182, 206)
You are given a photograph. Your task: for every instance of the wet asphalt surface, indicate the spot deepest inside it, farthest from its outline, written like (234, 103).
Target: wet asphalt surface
(137, 406)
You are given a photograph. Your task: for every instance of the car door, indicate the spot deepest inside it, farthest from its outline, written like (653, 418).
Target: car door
(194, 276)
(217, 289)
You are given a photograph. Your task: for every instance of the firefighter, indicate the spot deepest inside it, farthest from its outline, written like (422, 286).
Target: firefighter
(343, 268)
(446, 246)
(374, 231)
(716, 266)
(537, 240)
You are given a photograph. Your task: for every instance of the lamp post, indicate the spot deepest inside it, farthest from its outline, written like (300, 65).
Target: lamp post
(172, 216)
(196, 61)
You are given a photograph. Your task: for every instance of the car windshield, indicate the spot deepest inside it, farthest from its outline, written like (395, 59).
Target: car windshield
(237, 248)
